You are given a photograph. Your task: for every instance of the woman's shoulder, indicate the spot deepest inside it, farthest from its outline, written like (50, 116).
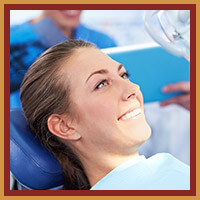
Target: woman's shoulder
(22, 32)
(161, 171)
(166, 158)
(102, 40)
(166, 166)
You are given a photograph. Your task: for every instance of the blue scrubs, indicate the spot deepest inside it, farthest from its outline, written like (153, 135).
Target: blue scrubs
(28, 41)
(159, 172)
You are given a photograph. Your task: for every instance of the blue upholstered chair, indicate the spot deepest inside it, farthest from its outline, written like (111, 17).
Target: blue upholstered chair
(32, 165)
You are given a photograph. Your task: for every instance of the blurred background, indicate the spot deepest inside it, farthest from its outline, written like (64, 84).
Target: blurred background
(129, 22)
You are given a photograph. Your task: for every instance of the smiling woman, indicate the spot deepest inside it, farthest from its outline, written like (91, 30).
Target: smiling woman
(82, 106)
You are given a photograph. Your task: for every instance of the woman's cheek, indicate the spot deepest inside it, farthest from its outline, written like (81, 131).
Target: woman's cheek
(103, 108)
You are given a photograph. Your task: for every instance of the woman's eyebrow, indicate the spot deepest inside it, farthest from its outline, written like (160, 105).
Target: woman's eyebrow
(103, 71)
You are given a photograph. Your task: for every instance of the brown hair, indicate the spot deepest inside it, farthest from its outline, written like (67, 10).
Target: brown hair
(42, 94)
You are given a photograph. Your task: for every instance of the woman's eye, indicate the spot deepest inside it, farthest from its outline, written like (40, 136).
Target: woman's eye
(103, 83)
(125, 75)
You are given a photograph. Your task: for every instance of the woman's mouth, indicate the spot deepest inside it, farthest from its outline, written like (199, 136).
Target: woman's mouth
(131, 114)
(71, 13)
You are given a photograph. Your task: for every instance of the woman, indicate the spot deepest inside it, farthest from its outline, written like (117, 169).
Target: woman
(82, 106)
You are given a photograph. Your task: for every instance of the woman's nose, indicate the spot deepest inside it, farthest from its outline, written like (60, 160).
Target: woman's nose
(130, 90)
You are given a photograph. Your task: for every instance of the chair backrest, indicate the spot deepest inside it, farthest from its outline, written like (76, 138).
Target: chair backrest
(30, 162)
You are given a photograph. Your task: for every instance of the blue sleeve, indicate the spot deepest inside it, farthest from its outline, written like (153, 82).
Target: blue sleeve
(25, 47)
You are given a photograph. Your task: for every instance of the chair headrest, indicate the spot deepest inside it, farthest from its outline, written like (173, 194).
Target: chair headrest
(30, 162)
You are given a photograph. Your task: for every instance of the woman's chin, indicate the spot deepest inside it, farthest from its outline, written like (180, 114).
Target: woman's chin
(140, 133)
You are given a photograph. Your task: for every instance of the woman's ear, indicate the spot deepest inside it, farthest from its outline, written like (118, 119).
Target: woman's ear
(60, 126)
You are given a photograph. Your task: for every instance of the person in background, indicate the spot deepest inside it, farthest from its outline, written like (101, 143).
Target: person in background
(30, 39)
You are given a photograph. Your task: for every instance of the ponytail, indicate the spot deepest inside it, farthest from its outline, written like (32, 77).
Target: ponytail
(42, 94)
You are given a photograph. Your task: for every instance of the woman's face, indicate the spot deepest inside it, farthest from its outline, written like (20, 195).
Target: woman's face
(64, 18)
(109, 107)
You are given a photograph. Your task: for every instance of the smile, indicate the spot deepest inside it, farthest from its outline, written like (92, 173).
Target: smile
(131, 114)
(71, 13)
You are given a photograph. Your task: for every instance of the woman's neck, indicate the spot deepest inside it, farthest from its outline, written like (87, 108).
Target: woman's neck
(68, 32)
(37, 19)
(99, 165)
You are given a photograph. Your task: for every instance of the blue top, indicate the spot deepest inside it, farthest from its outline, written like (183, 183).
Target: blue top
(28, 41)
(159, 172)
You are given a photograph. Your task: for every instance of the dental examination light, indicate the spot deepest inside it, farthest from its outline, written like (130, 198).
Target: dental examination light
(176, 27)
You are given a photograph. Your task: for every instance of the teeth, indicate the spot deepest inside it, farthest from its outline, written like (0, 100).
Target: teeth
(132, 114)
(124, 118)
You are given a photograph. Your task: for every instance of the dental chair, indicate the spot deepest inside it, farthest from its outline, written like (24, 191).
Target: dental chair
(34, 167)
